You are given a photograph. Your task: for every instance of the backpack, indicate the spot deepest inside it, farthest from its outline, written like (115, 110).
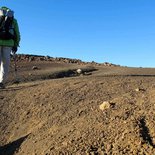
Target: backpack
(6, 24)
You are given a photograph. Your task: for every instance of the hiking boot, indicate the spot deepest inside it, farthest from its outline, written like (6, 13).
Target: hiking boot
(2, 86)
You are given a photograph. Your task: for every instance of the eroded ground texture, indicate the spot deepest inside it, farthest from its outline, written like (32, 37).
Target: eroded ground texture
(49, 115)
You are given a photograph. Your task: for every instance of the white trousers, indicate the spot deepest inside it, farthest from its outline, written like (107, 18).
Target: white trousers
(4, 62)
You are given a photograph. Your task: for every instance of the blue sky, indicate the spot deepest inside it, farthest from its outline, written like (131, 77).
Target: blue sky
(117, 31)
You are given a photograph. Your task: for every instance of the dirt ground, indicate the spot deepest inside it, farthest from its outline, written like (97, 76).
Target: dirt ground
(49, 114)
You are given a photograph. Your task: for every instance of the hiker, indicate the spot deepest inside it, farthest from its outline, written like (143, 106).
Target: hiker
(9, 41)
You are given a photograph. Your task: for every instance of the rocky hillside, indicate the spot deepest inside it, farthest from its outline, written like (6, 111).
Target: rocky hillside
(29, 58)
(98, 110)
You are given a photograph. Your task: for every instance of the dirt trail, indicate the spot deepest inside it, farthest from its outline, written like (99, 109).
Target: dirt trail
(62, 116)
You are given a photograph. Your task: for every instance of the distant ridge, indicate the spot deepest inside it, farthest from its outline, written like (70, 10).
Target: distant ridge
(31, 57)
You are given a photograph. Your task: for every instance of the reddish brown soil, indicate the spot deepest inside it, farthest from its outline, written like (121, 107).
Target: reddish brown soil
(61, 116)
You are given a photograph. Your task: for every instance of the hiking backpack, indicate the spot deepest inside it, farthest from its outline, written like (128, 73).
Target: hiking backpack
(6, 24)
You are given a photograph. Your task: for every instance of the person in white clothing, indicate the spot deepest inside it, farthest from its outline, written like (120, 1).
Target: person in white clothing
(9, 41)
(5, 62)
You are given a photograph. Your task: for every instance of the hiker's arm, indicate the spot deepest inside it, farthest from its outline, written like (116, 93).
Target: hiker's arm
(17, 34)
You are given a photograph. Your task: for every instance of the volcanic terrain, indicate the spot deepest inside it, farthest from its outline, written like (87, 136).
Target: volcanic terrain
(60, 106)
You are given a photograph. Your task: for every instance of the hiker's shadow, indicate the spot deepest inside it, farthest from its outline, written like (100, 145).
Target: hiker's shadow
(11, 148)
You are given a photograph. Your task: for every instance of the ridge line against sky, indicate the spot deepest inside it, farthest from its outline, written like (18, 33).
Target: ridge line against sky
(116, 31)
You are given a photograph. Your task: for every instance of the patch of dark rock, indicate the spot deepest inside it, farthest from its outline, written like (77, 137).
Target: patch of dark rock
(68, 73)
(35, 68)
(61, 74)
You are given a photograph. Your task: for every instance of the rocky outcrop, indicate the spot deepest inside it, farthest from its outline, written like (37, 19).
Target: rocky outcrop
(29, 58)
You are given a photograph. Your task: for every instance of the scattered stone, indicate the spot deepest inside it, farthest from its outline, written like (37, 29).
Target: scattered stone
(108, 64)
(102, 135)
(64, 143)
(47, 57)
(139, 89)
(104, 105)
(41, 59)
(31, 59)
(79, 71)
(35, 68)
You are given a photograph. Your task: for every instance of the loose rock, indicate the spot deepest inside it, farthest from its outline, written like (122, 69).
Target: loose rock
(104, 105)
(79, 71)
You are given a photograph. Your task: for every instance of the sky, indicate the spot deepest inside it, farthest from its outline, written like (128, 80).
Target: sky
(116, 31)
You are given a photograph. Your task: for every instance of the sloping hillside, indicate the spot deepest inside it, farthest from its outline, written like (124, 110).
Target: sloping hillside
(103, 110)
